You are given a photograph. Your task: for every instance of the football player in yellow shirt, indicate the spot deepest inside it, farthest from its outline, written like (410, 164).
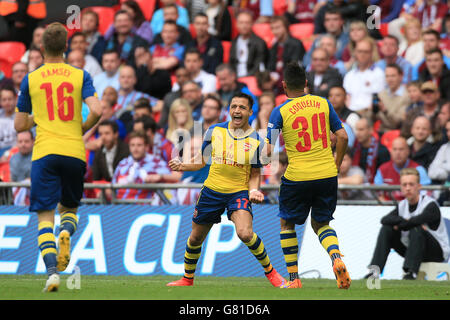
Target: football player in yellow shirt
(234, 150)
(51, 98)
(310, 180)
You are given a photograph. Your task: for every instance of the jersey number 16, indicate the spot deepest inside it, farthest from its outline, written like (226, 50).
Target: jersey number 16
(64, 114)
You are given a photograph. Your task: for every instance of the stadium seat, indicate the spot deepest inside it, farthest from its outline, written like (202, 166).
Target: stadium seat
(307, 43)
(280, 99)
(106, 15)
(226, 45)
(388, 137)
(432, 270)
(234, 30)
(279, 7)
(384, 30)
(301, 31)
(252, 84)
(192, 31)
(263, 31)
(12, 51)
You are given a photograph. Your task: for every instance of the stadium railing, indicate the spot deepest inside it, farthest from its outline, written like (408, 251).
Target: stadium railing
(7, 192)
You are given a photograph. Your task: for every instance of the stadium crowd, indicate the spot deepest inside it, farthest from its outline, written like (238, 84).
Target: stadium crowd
(165, 75)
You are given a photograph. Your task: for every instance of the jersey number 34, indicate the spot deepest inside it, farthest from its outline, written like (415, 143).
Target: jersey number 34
(317, 133)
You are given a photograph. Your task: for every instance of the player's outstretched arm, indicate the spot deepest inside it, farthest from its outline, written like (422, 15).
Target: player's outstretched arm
(196, 163)
(341, 146)
(255, 195)
(95, 112)
(23, 121)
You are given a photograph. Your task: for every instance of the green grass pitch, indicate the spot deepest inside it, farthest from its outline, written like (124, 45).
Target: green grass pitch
(28, 287)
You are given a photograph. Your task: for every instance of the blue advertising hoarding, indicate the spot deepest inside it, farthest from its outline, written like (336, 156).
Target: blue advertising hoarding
(139, 240)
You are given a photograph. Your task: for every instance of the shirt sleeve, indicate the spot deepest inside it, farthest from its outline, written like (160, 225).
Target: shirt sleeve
(88, 89)
(274, 127)
(24, 99)
(335, 122)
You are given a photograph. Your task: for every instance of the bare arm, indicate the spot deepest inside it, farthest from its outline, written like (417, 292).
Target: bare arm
(94, 115)
(23, 121)
(197, 162)
(341, 146)
(255, 195)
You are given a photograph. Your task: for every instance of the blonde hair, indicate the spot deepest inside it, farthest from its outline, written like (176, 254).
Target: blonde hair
(172, 123)
(356, 25)
(412, 23)
(410, 172)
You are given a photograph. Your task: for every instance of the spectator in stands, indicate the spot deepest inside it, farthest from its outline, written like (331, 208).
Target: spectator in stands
(265, 81)
(266, 102)
(389, 51)
(36, 42)
(229, 85)
(158, 20)
(209, 46)
(328, 42)
(110, 76)
(322, 77)
(389, 10)
(368, 153)
(20, 163)
(127, 94)
(141, 107)
(35, 59)
(78, 42)
(284, 49)
(421, 151)
(158, 145)
(140, 167)
(437, 71)
(389, 172)
(180, 122)
(393, 100)
(411, 44)
(430, 13)
(357, 32)
(192, 92)
(193, 63)
(219, 19)
(439, 170)
(443, 117)
(5, 81)
(363, 81)
(124, 40)
(262, 10)
(96, 43)
(141, 27)
(211, 111)
(350, 174)
(111, 152)
(300, 11)
(110, 95)
(431, 41)
(152, 81)
(415, 95)
(109, 114)
(8, 135)
(181, 76)
(415, 229)
(429, 108)
(169, 54)
(19, 71)
(171, 14)
(334, 25)
(248, 52)
(337, 96)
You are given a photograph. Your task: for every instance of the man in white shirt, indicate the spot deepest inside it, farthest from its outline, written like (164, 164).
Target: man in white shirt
(109, 77)
(193, 63)
(364, 80)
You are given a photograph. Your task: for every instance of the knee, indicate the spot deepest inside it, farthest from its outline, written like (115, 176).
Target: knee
(416, 233)
(245, 234)
(195, 240)
(317, 225)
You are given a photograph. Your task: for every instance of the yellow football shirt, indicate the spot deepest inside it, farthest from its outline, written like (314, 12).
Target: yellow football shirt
(54, 94)
(305, 123)
(231, 158)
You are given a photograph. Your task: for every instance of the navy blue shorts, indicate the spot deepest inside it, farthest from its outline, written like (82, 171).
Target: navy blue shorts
(54, 179)
(298, 198)
(212, 204)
